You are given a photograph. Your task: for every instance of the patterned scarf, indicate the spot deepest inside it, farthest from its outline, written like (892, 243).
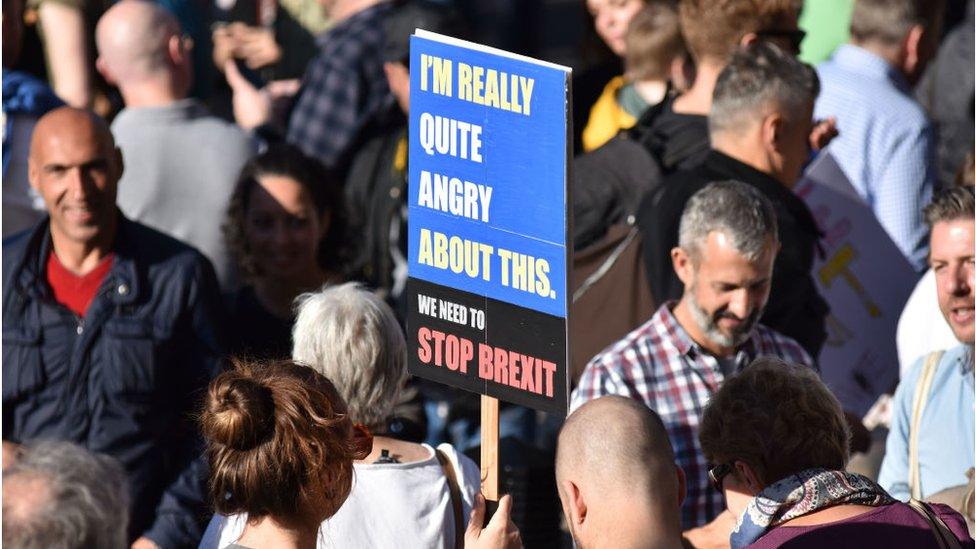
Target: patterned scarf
(803, 493)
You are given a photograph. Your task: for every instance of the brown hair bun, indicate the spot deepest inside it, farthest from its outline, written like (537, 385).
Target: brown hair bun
(239, 413)
(279, 442)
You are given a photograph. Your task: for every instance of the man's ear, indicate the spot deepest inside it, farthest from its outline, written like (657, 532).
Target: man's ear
(681, 72)
(772, 132)
(576, 504)
(912, 46)
(682, 264)
(33, 172)
(682, 484)
(102, 67)
(749, 476)
(175, 49)
(748, 39)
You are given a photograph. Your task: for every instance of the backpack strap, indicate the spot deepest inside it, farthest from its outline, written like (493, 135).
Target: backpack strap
(921, 397)
(943, 535)
(605, 267)
(455, 491)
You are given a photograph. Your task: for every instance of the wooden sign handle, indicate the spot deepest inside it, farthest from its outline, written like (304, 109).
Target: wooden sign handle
(489, 448)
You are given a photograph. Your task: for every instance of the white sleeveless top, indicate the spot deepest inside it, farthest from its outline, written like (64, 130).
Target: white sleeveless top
(390, 505)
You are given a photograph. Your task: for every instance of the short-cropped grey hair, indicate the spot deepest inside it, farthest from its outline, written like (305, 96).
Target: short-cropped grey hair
(888, 21)
(85, 501)
(733, 208)
(756, 77)
(351, 336)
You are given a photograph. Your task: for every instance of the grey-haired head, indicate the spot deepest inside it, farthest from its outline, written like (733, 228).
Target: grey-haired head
(733, 208)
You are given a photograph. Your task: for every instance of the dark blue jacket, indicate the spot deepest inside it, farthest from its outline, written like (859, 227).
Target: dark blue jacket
(127, 379)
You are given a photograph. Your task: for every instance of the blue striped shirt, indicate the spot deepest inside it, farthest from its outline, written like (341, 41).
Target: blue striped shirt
(885, 146)
(946, 441)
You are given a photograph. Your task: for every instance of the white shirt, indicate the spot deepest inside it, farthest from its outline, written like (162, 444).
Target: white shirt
(922, 328)
(391, 505)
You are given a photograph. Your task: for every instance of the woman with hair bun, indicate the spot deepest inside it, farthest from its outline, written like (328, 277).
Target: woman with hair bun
(281, 447)
(406, 494)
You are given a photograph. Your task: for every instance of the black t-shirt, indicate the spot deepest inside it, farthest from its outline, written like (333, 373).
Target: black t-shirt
(255, 332)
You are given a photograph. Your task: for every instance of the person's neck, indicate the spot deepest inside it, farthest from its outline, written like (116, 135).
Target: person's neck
(698, 98)
(830, 514)
(890, 54)
(651, 91)
(160, 92)
(636, 523)
(345, 10)
(268, 532)
(745, 148)
(82, 257)
(277, 295)
(683, 315)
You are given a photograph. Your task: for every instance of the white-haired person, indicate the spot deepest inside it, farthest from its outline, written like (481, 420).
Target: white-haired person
(404, 494)
(59, 494)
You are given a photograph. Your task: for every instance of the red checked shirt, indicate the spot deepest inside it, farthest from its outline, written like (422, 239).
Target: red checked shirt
(660, 365)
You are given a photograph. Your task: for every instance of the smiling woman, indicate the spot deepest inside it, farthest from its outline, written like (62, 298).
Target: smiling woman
(285, 226)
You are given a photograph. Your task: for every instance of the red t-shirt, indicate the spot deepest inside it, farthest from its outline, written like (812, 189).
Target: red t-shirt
(73, 291)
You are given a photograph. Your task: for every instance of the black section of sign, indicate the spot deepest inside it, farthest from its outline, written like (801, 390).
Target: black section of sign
(518, 355)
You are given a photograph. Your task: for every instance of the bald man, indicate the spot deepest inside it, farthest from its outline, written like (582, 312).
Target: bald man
(617, 478)
(182, 162)
(109, 330)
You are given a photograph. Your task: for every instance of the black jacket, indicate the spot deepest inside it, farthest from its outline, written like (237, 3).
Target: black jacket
(795, 307)
(376, 196)
(608, 183)
(128, 378)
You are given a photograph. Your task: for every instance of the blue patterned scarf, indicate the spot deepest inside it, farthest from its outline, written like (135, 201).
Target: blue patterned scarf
(800, 494)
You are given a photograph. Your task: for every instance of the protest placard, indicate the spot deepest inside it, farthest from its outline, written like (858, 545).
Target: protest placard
(488, 290)
(488, 221)
(865, 279)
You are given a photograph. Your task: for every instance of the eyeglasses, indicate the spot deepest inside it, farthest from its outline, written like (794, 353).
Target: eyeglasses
(718, 473)
(795, 37)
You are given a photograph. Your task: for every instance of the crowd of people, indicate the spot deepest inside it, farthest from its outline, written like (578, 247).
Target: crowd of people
(205, 266)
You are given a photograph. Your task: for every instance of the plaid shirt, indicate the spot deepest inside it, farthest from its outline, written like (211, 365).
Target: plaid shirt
(660, 365)
(344, 88)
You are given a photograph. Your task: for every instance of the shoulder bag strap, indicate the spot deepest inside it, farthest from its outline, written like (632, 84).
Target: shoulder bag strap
(922, 389)
(943, 535)
(455, 490)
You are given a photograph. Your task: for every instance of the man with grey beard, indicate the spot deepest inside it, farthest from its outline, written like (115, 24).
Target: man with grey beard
(727, 244)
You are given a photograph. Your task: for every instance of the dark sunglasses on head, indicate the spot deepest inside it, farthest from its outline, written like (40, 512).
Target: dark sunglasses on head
(795, 37)
(718, 473)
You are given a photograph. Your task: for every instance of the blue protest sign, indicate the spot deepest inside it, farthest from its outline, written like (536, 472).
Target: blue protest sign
(488, 221)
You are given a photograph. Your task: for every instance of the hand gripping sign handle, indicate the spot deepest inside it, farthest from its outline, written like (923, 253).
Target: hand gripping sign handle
(489, 454)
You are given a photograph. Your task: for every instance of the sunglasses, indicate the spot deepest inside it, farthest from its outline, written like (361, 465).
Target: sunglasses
(794, 37)
(718, 473)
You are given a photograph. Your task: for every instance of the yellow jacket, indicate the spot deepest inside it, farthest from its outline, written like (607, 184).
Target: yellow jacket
(607, 117)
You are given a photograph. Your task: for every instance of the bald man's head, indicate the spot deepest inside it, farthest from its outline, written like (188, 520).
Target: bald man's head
(615, 442)
(616, 475)
(139, 40)
(75, 167)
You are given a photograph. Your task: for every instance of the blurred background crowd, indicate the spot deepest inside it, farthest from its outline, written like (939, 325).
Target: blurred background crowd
(204, 214)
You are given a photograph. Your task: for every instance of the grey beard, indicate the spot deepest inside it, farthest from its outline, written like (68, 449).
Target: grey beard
(707, 325)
